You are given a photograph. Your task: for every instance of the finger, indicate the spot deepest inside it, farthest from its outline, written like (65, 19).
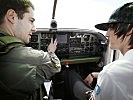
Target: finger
(55, 42)
(51, 40)
(91, 98)
(85, 81)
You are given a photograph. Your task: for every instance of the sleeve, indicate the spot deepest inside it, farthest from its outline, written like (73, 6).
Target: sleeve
(54, 60)
(50, 65)
(104, 87)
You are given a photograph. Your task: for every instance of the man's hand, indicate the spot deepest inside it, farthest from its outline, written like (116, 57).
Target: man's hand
(91, 98)
(89, 78)
(52, 46)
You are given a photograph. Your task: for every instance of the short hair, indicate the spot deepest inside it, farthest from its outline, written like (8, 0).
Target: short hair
(121, 29)
(19, 6)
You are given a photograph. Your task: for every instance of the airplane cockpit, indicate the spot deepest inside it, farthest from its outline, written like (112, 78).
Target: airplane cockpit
(79, 49)
(82, 50)
(69, 59)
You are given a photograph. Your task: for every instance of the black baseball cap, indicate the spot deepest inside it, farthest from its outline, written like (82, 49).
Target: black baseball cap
(123, 14)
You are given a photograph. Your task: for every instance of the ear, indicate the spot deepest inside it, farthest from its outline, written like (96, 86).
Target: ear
(10, 15)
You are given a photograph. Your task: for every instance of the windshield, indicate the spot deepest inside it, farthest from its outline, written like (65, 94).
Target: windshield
(75, 13)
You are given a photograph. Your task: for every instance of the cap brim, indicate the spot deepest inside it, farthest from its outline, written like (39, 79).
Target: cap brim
(102, 26)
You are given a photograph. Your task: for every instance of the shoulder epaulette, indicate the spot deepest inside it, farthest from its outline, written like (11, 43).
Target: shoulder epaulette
(9, 42)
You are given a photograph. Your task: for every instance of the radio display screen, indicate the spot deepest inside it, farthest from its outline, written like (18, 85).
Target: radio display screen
(61, 38)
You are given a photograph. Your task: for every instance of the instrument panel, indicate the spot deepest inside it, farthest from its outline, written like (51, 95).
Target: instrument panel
(72, 43)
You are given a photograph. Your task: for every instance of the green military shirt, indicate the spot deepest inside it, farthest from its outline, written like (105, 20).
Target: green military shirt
(23, 69)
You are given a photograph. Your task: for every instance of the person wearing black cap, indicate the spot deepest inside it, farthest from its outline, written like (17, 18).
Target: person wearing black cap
(115, 81)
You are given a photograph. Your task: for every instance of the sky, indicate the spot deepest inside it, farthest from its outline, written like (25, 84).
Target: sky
(83, 14)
